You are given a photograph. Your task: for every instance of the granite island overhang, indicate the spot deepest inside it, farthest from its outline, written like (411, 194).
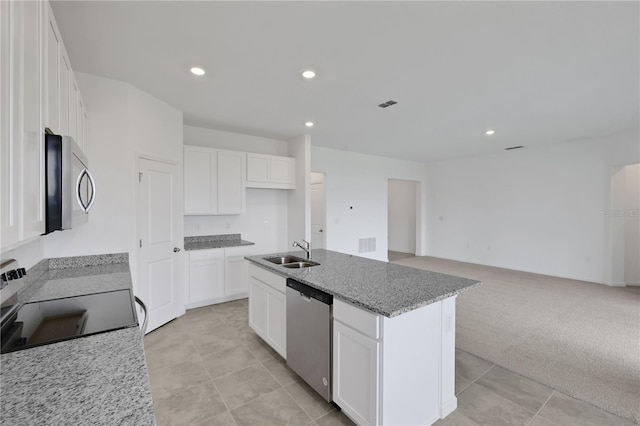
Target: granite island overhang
(393, 333)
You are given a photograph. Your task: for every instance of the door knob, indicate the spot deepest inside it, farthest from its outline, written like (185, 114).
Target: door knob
(320, 230)
(176, 249)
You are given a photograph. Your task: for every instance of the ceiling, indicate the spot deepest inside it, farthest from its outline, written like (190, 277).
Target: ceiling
(536, 72)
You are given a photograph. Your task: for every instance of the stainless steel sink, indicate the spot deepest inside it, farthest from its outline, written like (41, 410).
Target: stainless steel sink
(281, 260)
(291, 262)
(300, 265)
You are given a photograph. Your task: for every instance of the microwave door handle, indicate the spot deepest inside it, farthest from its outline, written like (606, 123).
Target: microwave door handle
(93, 191)
(85, 208)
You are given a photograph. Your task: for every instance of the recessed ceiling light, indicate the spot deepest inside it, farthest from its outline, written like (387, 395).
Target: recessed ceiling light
(197, 71)
(490, 132)
(309, 124)
(308, 73)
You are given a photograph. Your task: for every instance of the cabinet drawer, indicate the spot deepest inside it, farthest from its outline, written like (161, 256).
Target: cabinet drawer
(356, 318)
(196, 255)
(272, 280)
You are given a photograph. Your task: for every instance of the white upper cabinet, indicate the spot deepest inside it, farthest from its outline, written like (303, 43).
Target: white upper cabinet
(22, 154)
(63, 110)
(270, 171)
(51, 113)
(213, 181)
(231, 192)
(200, 181)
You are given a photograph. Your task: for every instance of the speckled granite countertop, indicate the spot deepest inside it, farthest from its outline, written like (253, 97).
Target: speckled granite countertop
(214, 241)
(380, 287)
(95, 380)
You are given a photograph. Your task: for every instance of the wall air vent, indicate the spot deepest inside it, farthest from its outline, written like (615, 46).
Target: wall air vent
(387, 104)
(513, 147)
(367, 245)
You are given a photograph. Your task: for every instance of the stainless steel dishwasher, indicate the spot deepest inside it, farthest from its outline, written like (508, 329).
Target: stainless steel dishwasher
(309, 314)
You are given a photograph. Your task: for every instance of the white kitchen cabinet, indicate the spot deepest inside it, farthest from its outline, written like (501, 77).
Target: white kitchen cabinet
(206, 277)
(65, 90)
(22, 197)
(231, 185)
(270, 171)
(74, 100)
(200, 181)
(394, 370)
(213, 181)
(356, 360)
(258, 306)
(51, 112)
(216, 275)
(268, 307)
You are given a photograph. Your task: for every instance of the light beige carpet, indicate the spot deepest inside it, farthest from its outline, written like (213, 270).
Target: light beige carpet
(580, 338)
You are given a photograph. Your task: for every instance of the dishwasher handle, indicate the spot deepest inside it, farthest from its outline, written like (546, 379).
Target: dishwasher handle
(309, 292)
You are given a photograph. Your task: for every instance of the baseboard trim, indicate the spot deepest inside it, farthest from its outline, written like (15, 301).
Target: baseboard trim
(566, 277)
(633, 283)
(448, 407)
(216, 301)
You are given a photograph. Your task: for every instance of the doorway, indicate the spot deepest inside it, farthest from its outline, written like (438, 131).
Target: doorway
(158, 219)
(318, 211)
(401, 218)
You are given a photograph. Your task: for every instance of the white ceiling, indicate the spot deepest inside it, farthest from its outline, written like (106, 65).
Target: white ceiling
(537, 72)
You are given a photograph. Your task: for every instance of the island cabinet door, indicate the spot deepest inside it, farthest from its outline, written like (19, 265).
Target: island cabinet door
(277, 321)
(356, 363)
(258, 307)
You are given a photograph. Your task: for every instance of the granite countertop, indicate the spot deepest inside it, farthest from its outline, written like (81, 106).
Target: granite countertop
(383, 288)
(205, 242)
(95, 380)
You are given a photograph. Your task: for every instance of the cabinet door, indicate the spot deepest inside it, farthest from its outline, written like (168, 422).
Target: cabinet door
(280, 170)
(200, 181)
(236, 275)
(277, 321)
(80, 124)
(65, 90)
(206, 278)
(258, 307)
(74, 98)
(355, 374)
(32, 133)
(231, 192)
(52, 74)
(258, 168)
(10, 132)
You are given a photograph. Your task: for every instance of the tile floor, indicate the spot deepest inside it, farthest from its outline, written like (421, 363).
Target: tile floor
(209, 368)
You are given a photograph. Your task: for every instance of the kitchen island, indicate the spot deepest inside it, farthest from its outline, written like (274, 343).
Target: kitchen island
(393, 332)
(100, 379)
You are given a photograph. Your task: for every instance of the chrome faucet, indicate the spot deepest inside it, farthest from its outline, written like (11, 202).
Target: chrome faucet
(307, 249)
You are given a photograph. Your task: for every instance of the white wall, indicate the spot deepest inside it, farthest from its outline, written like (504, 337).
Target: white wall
(539, 209)
(123, 123)
(402, 216)
(361, 181)
(632, 225)
(265, 220)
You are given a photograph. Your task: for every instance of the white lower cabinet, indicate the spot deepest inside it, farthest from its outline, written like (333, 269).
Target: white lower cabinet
(356, 359)
(394, 371)
(268, 307)
(216, 275)
(206, 276)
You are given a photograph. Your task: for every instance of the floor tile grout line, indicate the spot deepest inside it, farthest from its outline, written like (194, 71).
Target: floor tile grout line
(543, 405)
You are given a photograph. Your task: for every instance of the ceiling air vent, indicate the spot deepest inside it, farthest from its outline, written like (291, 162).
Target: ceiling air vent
(513, 147)
(387, 104)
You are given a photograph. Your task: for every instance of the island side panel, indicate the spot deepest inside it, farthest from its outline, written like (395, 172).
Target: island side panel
(411, 367)
(448, 400)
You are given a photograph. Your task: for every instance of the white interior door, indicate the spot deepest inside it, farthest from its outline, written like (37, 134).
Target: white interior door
(160, 258)
(318, 222)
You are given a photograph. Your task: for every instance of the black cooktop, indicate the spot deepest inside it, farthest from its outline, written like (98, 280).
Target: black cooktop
(56, 320)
